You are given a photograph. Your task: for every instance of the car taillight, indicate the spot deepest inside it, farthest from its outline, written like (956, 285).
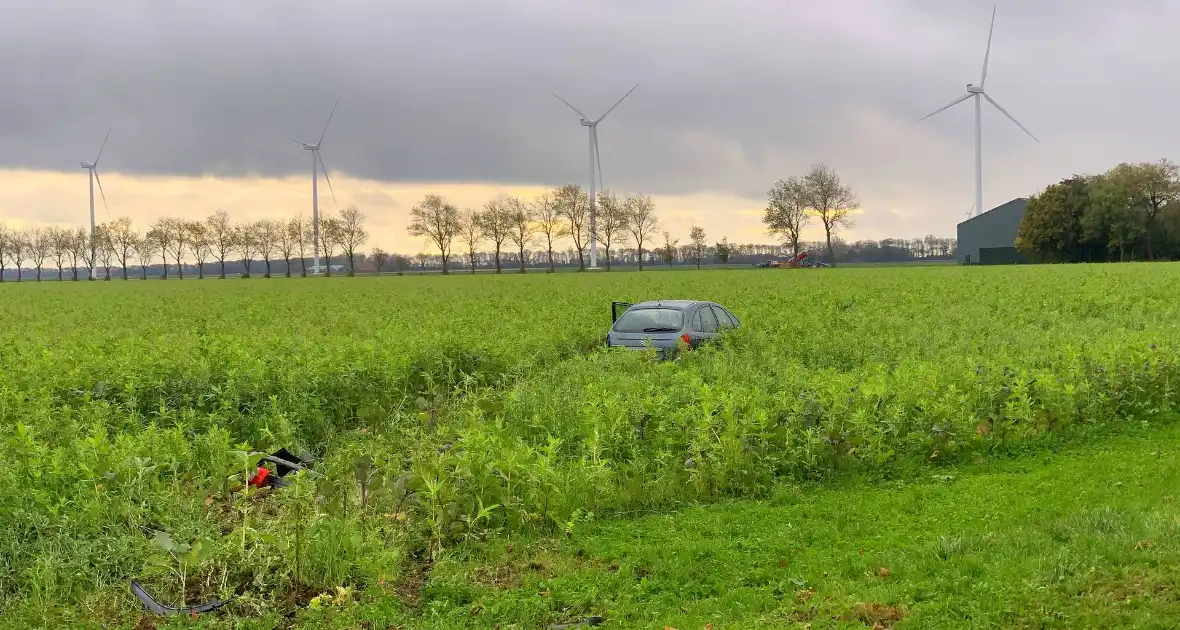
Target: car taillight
(685, 338)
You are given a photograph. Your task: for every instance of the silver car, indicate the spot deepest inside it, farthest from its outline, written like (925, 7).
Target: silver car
(663, 323)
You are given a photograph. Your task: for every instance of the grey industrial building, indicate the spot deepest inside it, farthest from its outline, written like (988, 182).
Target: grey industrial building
(990, 238)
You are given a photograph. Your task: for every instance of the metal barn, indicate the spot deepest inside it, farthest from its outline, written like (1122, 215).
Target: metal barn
(990, 238)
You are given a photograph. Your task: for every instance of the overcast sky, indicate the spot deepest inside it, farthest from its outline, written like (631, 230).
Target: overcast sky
(732, 95)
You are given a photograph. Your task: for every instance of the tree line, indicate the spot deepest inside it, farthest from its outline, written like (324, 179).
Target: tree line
(669, 251)
(215, 240)
(503, 231)
(1130, 212)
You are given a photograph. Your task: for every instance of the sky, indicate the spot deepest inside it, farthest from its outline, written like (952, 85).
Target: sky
(455, 97)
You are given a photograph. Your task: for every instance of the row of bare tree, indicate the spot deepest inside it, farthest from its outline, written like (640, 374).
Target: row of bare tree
(116, 244)
(561, 213)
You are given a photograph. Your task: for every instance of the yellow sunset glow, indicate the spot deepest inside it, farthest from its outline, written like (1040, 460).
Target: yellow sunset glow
(41, 198)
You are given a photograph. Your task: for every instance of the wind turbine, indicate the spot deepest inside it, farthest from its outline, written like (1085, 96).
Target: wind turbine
(595, 160)
(976, 92)
(316, 162)
(93, 168)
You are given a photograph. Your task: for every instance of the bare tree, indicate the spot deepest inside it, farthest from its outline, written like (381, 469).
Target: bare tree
(5, 248)
(574, 205)
(469, 234)
(145, 250)
(40, 241)
(495, 223)
(246, 241)
(698, 245)
(299, 228)
(402, 263)
(787, 210)
(549, 222)
(221, 237)
(641, 221)
(18, 248)
(331, 236)
(200, 244)
(161, 236)
(831, 200)
(420, 259)
(87, 249)
(438, 221)
(288, 241)
(668, 251)
(74, 241)
(269, 233)
(123, 239)
(724, 250)
(352, 234)
(59, 247)
(520, 216)
(180, 234)
(105, 248)
(611, 222)
(380, 257)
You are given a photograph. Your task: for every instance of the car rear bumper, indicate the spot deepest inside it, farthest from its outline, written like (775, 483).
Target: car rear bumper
(661, 351)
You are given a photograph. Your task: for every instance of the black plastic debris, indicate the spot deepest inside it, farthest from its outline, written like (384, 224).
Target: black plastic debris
(285, 463)
(151, 604)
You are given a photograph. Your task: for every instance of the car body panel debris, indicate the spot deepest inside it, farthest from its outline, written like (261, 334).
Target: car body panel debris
(151, 604)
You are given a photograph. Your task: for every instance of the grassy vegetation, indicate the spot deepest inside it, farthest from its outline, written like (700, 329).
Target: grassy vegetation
(446, 412)
(1088, 538)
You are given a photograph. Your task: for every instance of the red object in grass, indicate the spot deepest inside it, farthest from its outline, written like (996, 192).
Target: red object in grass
(685, 338)
(259, 478)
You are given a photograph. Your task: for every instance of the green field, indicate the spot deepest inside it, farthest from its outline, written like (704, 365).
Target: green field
(908, 411)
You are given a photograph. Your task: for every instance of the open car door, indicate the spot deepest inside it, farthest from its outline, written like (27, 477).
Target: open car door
(615, 310)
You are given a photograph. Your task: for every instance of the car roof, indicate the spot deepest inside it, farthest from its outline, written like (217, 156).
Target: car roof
(672, 304)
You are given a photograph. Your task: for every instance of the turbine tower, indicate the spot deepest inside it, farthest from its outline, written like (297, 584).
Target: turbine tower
(976, 92)
(595, 161)
(93, 168)
(316, 162)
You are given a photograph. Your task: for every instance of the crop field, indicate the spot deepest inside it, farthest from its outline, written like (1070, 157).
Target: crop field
(449, 415)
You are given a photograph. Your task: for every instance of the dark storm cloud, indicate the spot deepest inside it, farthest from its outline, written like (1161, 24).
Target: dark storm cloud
(732, 94)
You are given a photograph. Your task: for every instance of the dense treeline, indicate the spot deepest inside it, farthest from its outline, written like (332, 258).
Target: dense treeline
(506, 232)
(1131, 212)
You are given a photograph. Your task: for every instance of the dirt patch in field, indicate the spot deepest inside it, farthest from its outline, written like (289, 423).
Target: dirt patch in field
(877, 615)
(409, 587)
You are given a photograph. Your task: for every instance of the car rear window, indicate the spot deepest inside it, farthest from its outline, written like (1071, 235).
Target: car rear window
(639, 320)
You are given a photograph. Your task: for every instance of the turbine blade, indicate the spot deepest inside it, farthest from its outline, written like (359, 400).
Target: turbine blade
(1005, 112)
(302, 144)
(567, 104)
(328, 179)
(325, 131)
(597, 157)
(612, 107)
(988, 52)
(100, 191)
(104, 145)
(948, 106)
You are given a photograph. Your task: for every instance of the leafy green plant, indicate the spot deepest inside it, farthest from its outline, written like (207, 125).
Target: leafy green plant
(180, 560)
